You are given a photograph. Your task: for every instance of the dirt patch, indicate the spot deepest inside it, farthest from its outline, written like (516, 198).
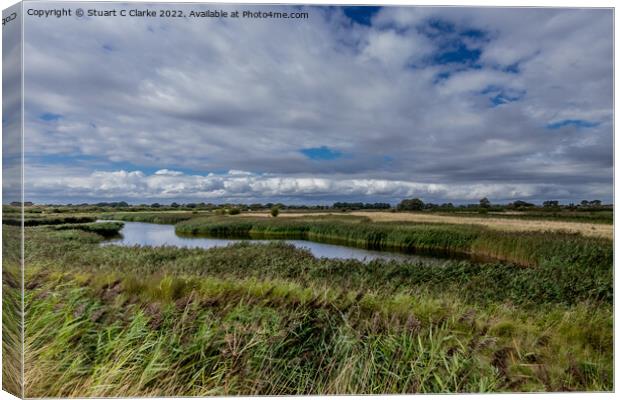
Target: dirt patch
(96, 316)
(110, 291)
(154, 311)
(500, 361)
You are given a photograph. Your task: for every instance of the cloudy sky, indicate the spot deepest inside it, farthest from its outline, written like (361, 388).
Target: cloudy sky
(351, 104)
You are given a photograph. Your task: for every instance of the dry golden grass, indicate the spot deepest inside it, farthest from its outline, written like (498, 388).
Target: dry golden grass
(507, 224)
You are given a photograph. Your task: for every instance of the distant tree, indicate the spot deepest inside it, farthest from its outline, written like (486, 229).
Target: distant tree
(590, 204)
(551, 204)
(234, 211)
(155, 205)
(358, 206)
(174, 205)
(520, 204)
(411, 205)
(485, 203)
(275, 211)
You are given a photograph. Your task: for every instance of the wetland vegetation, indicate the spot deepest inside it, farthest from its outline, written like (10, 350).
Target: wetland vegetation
(269, 318)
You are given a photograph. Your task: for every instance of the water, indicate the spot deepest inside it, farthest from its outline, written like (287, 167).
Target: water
(146, 234)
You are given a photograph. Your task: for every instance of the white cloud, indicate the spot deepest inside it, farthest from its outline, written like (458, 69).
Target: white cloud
(396, 50)
(237, 172)
(167, 172)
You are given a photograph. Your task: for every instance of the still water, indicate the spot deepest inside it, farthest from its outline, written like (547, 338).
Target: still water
(145, 234)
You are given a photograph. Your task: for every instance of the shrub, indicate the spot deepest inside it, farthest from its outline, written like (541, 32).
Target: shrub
(410, 205)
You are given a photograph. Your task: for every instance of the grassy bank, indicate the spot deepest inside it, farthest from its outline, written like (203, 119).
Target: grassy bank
(36, 220)
(527, 249)
(496, 222)
(153, 218)
(597, 217)
(105, 229)
(272, 319)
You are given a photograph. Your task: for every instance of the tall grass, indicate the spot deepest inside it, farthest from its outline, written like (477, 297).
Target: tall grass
(31, 220)
(527, 249)
(272, 319)
(154, 218)
(11, 312)
(353, 232)
(106, 229)
(11, 334)
(595, 217)
(222, 336)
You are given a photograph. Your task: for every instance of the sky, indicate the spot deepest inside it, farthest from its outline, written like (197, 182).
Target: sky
(352, 104)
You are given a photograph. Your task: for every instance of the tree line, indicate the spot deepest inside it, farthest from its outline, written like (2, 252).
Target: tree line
(485, 204)
(413, 204)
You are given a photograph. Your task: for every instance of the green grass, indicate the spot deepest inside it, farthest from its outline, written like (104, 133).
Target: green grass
(595, 217)
(151, 217)
(268, 337)
(11, 313)
(527, 249)
(272, 319)
(36, 220)
(106, 229)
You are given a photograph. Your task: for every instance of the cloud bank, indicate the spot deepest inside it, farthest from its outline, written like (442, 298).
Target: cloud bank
(245, 187)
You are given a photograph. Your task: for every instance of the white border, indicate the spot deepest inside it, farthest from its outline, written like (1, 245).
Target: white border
(483, 3)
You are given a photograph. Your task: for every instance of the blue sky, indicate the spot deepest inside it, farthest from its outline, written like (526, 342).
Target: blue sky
(322, 153)
(354, 103)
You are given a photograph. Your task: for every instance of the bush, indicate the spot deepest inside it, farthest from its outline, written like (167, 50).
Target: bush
(410, 205)
(275, 211)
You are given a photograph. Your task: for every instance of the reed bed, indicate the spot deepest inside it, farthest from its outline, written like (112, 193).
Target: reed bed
(153, 218)
(36, 220)
(106, 229)
(523, 248)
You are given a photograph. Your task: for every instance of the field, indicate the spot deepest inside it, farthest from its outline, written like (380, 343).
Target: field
(509, 310)
(601, 227)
